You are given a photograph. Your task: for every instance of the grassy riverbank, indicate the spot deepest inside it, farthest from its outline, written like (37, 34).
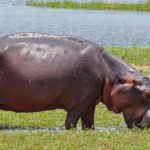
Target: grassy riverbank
(95, 5)
(137, 57)
(51, 139)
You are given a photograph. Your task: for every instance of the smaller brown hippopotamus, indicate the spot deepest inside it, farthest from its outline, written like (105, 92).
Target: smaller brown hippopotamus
(43, 72)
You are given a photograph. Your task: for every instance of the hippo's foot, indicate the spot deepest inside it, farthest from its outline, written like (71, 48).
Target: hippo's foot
(71, 120)
(88, 118)
(76, 112)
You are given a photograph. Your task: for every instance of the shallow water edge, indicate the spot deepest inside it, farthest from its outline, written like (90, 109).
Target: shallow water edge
(57, 129)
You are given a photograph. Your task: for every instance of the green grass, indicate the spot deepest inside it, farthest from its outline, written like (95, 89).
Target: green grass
(71, 140)
(124, 138)
(136, 55)
(96, 5)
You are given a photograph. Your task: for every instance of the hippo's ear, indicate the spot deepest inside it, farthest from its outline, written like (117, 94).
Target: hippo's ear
(118, 95)
(122, 87)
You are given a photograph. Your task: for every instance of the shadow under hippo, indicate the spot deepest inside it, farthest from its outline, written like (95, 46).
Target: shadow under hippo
(43, 72)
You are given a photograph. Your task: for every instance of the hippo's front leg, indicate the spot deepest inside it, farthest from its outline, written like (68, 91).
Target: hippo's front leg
(75, 113)
(72, 118)
(88, 118)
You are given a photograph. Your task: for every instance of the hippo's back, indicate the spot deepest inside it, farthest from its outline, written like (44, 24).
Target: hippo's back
(40, 55)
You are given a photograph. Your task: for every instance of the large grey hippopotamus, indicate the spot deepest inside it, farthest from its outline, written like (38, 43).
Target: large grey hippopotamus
(44, 72)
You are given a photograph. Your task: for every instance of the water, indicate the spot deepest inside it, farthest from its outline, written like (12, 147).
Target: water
(108, 28)
(19, 129)
(12, 2)
(55, 129)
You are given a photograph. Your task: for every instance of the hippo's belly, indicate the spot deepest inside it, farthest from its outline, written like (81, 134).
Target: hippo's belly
(21, 94)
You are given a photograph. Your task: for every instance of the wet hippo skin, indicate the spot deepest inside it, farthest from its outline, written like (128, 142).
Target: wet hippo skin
(43, 72)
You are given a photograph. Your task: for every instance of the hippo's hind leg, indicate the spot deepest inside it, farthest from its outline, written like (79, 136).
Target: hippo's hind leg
(74, 114)
(88, 118)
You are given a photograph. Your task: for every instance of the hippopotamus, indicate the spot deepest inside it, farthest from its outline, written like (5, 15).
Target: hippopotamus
(44, 72)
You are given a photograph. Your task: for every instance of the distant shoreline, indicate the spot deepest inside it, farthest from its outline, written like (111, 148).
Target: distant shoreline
(93, 5)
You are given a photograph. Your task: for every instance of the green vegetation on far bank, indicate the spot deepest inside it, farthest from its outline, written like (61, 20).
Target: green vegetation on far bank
(123, 138)
(95, 5)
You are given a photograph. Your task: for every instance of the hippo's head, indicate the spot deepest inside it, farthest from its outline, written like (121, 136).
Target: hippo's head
(132, 98)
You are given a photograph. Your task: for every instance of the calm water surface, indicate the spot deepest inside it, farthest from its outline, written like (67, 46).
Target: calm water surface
(108, 28)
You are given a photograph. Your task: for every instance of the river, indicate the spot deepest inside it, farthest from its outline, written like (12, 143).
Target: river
(108, 28)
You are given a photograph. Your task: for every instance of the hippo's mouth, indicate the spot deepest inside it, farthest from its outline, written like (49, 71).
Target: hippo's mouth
(138, 124)
(135, 124)
(145, 121)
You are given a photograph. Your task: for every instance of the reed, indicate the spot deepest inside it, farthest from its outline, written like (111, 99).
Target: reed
(94, 4)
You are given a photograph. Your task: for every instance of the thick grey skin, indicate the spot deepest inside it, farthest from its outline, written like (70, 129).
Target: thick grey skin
(44, 72)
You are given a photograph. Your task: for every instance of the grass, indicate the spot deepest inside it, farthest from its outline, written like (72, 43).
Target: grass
(75, 139)
(95, 5)
(71, 140)
(137, 56)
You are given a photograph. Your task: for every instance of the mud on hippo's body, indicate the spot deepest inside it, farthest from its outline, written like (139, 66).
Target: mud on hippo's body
(44, 72)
